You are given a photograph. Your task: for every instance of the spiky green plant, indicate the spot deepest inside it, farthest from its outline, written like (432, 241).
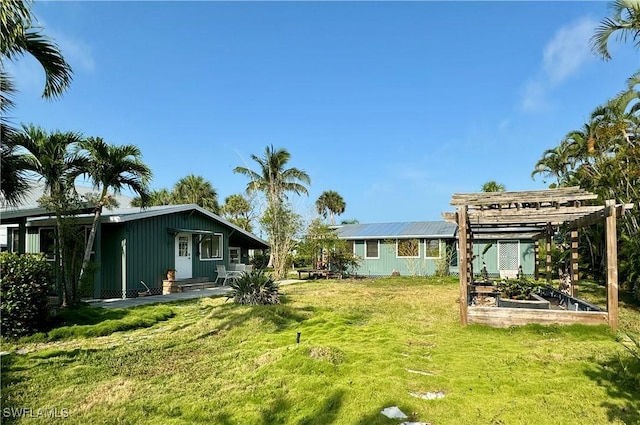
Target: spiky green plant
(255, 288)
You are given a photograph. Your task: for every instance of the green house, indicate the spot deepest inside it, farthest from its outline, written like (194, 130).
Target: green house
(420, 248)
(407, 248)
(135, 247)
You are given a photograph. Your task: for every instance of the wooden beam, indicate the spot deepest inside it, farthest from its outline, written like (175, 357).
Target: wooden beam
(469, 254)
(533, 212)
(462, 243)
(504, 317)
(548, 246)
(536, 259)
(574, 263)
(599, 216)
(565, 196)
(450, 217)
(537, 218)
(612, 264)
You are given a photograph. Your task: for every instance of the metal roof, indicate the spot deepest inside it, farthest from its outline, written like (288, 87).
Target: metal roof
(29, 206)
(415, 229)
(121, 215)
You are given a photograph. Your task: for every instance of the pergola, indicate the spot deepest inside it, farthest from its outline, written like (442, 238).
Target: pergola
(541, 211)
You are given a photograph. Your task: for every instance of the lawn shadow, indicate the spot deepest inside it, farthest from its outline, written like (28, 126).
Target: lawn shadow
(281, 316)
(619, 377)
(12, 408)
(280, 410)
(86, 315)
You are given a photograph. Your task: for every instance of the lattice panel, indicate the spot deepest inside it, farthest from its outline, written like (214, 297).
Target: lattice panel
(508, 255)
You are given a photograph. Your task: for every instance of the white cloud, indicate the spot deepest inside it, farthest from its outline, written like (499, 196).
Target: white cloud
(534, 98)
(563, 57)
(569, 49)
(28, 74)
(76, 52)
(503, 125)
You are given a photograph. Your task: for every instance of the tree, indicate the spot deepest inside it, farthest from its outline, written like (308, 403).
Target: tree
(239, 211)
(111, 167)
(275, 181)
(493, 186)
(624, 21)
(54, 158)
(194, 189)
(554, 163)
(17, 38)
(330, 203)
(154, 198)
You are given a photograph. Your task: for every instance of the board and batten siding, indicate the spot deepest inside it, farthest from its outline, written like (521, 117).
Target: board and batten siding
(525, 255)
(150, 248)
(111, 267)
(388, 261)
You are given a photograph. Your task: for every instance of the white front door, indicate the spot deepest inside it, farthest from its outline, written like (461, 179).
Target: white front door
(183, 256)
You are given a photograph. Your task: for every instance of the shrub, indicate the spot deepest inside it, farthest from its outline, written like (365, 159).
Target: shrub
(25, 281)
(254, 288)
(519, 289)
(259, 260)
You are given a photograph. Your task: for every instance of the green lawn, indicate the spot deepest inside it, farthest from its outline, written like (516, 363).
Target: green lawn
(211, 362)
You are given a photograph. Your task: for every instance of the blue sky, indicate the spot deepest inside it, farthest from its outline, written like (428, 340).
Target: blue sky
(394, 105)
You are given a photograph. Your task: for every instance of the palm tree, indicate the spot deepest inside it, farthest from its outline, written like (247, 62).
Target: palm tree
(194, 189)
(330, 203)
(20, 37)
(156, 197)
(493, 186)
(554, 163)
(53, 157)
(625, 21)
(17, 38)
(112, 167)
(13, 164)
(238, 210)
(275, 181)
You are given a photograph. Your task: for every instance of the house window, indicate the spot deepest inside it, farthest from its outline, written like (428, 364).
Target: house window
(351, 247)
(372, 249)
(48, 242)
(408, 248)
(432, 248)
(211, 247)
(15, 240)
(234, 255)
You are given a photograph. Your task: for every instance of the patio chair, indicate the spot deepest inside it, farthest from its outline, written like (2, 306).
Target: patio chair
(225, 274)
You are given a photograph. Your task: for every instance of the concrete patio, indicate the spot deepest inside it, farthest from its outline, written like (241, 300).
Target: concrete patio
(197, 293)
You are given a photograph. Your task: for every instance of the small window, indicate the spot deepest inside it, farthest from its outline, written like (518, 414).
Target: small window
(48, 243)
(408, 248)
(371, 249)
(351, 247)
(15, 239)
(432, 248)
(211, 247)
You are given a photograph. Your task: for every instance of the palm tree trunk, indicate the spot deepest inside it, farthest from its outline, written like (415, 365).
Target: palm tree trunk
(92, 235)
(60, 263)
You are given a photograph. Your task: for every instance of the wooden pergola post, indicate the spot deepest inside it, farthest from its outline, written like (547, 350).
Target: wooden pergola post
(612, 263)
(536, 259)
(548, 269)
(464, 263)
(469, 253)
(574, 263)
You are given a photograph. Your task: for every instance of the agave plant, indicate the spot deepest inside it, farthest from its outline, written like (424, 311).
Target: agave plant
(254, 288)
